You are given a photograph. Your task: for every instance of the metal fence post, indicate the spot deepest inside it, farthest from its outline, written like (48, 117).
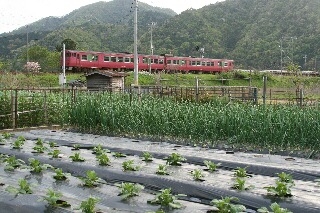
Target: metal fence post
(264, 95)
(301, 97)
(197, 89)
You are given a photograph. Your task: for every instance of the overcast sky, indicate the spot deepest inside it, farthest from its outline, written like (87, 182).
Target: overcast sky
(17, 13)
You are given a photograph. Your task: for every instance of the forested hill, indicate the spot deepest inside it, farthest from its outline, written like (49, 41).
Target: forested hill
(248, 31)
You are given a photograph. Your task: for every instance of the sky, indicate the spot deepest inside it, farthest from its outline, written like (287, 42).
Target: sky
(18, 13)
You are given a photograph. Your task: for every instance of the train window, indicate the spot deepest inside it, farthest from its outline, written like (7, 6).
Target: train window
(84, 58)
(193, 63)
(174, 61)
(95, 58)
(212, 64)
(145, 60)
(155, 61)
(160, 61)
(113, 59)
(78, 56)
(106, 58)
(225, 64)
(68, 54)
(169, 61)
(203, 63)
(132, 60)
(182, 62)
(127, 60)
(73, 54)
(198, 63)
(120, 59)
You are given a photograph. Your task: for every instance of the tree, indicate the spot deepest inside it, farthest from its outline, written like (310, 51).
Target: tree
(70, 45)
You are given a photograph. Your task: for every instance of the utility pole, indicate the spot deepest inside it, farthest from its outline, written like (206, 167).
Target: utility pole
(27, 43)
(305, 62)
(151, 45)
(135, 35)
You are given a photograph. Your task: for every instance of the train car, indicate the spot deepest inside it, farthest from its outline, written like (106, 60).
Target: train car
(80, 61)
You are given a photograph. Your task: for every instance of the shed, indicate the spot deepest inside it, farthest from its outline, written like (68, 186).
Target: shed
(105, 80)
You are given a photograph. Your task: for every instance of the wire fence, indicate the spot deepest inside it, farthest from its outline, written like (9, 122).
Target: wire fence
(48, 106)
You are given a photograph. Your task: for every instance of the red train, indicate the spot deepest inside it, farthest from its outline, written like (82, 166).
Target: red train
(87, 60)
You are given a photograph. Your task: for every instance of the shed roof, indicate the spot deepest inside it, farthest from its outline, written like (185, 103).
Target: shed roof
(107, 73)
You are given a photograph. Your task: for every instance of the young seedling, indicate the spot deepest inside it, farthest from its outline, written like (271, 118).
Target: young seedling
(76, 147)
(2, 141)
(53, 198)
(162, 170)
(39, 149)
(24, 188)
(129, 190)
(91, 179)
(281, 189)
(36, 165)
(118, 155)
(147, 157)
(98, 150)
(285, 178)
(103, 160)
(88, 206)
(175, 159)
(76, 157)
(52, 144)
(224, 205)
(17, 144)
(240, 184)
(240, 172)
(60, 175)
(129, 166)
(211, 166)
(13, 163)
(39, 142)
(55, 153)
(275, 208)
(197, 175)
(165, 198)
(7, 135)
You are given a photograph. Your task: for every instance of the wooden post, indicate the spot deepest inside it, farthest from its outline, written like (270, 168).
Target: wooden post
(255, 95)
(264, 95)
(301, 97)
(45, 107)
(197, 89)
(14, 108)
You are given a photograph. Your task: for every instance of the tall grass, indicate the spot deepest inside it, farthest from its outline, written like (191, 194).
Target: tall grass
(271, 127)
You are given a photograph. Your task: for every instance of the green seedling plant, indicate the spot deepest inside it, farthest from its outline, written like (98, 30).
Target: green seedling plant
(162, 170)
(285, 178)
(147, 157)
(2, 141)
(225, 206)
(240, 184)
(281, 189)
(13, 163)
(7, 135)
(39, 142)
(175, 159)
(275, 208)
(129, 166)
(119, 155)
(76, 157)
(76, 147)
(197, 175)
(88, 206)
(91, 180)
(211, 166)
(129, 190)
(103, 160)
(17, 144)
(53, 198)
(36, 166)
(39, 148)
(166, 199)
(98, 150)
(52, 144)
(60, 175)
(241, 172)
(55, 153)
(24, 188)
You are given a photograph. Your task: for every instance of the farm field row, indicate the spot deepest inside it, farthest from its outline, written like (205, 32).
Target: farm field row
(262, 170)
